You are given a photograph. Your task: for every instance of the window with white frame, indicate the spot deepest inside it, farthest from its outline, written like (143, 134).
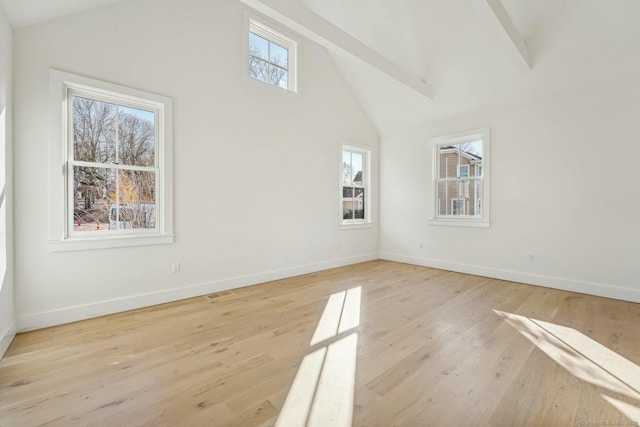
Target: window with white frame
(354, 185)
(460, 178)
(113, 146)
(272, 56)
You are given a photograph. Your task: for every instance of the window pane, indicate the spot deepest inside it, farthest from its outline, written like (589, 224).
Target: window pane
(452, 196)
(448, 162)
(474, 148)
(137, 136)
(347, 170)
(94, 130)
(279, 55)
(446, 192)
(358, 204)
(93, 189)
(258, 69)
(347, 209)
(475, 198)
(458, 207)
(462, 197)
(278, 77)
(258, 46)
(357, 160)
(137, 201)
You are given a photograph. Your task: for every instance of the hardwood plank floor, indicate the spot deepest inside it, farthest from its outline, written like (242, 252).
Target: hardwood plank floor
(413, 346)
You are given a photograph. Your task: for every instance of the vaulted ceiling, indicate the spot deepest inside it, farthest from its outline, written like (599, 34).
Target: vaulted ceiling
(463, 55)
(28, 12)
(464, 52)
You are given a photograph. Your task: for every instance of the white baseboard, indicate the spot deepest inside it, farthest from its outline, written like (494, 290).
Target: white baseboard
(591, 288)
(101, 308)
(6, 338)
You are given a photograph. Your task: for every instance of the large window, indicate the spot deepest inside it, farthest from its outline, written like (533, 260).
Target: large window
(272, 56)
(114, 147)
(460, 178)
(354, 185)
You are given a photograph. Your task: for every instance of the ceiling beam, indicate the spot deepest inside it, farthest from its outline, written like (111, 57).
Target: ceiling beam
(302, 20)
(494, 13)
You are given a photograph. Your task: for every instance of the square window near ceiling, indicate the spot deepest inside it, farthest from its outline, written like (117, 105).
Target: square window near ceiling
(272, 56)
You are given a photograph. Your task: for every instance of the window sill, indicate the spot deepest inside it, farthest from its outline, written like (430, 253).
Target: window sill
(462, 222)
(83, 244)
(356, 225)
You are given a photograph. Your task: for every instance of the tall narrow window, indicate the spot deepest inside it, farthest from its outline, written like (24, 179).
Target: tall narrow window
(354, 185)
(272, 56)
(460, 179)
(116, 161)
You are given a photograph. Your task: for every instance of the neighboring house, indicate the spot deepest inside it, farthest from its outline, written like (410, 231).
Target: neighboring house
(353, 199)
(459, 196)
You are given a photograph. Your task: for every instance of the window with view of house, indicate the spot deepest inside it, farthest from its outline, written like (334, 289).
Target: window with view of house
(272, 56)
(354, 185)
(115, 144)
(460, 180)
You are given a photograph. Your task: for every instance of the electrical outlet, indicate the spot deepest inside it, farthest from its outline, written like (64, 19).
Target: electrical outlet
(531, 257)
(175, 268)
(421, 245)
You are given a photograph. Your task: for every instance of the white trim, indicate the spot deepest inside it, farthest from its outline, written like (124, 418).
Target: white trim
(102, 308)
(6, 338)
(61, 236)
(356, 226)
(561, 283)
(462, 221)
(108, 242)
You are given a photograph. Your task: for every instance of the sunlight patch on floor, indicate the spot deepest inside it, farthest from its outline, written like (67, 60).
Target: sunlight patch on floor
(322, 392)
(583, 357)
(628, 410)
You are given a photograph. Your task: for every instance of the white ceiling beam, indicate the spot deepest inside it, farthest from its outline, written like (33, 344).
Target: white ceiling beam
(302, 20)
(494, 13)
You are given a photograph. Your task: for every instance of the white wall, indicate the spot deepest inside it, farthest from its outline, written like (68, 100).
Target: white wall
(256, 168)
(565, 188)
(7, 313)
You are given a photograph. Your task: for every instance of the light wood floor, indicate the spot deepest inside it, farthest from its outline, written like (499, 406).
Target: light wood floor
(430, 348)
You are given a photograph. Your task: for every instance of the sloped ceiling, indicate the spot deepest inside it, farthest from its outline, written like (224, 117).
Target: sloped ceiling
(27, 12)
(574, 45)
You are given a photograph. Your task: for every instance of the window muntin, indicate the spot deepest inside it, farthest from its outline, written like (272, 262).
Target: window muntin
(272, 56)
(114, 146)
(460, 182)
(354, 185)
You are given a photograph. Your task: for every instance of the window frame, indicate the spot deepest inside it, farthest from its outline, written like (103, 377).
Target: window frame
(482, 220)
(273, 36)
(63, 87)
(366, 185)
